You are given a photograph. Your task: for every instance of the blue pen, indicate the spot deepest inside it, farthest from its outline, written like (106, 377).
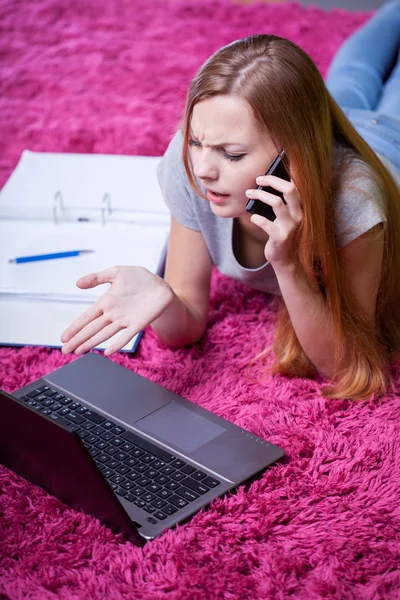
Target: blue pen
(25, 259)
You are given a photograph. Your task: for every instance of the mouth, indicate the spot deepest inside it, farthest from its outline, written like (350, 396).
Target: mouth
(216, 197)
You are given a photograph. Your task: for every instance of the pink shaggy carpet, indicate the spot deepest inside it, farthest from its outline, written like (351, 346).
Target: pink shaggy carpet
(97, 76)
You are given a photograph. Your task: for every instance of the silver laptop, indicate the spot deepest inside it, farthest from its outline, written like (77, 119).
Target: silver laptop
(112, 443)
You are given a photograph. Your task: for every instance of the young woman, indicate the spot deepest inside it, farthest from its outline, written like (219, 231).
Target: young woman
(332, 255)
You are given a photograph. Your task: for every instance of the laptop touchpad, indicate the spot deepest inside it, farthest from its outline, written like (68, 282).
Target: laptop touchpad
(180, 427)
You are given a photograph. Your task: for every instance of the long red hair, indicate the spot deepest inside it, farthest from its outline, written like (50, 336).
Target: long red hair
(289, 98)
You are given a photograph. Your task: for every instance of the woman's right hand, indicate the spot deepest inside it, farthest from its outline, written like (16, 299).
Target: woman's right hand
(135, 298)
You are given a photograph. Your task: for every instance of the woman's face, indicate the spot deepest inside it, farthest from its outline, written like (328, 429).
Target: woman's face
(228, 152)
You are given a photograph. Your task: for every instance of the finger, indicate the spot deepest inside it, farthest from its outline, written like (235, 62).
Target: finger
(93, 279)
(100, 330)
(99, 337)
(128, 333)
(90, 314)
(277, 183)
(287, 188)
(272, 200)
(262, 222)
(85, 333)
(124, 337)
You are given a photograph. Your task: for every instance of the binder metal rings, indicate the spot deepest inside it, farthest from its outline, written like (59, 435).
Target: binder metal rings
(58, 208)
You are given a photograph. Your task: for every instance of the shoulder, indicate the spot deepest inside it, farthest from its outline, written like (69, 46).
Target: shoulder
(353, 175)
(359, 204)
(183, 203)
(175, 146)
(172, 158)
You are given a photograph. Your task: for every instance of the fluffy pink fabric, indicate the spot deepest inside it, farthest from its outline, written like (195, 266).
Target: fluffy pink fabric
(99, 76)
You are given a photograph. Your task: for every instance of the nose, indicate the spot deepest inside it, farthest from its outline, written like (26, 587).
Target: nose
(205, 167)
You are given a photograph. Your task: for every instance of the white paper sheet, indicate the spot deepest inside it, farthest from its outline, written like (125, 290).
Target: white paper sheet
(113, 244)
(62, 202)
(37, 322)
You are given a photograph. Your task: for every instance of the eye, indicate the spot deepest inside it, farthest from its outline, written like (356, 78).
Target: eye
(193, 143)
(234, 157)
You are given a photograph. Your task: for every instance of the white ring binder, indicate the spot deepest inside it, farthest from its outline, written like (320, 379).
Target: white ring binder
(71, 197)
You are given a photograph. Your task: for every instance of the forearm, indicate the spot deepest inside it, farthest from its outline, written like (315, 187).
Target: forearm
(180, 324)
(310, 318)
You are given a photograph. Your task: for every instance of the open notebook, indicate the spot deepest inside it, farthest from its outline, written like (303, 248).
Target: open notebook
(53, 202)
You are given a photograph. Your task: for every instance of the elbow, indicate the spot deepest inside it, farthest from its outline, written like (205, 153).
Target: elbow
(184, 335)
(326, 371)
(180, 341)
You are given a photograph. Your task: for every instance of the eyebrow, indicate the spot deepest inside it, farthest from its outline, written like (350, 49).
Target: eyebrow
(221, 145)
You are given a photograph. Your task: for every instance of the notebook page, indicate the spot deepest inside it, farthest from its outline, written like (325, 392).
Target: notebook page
(63, 187)
(41, 323)
(113, 244)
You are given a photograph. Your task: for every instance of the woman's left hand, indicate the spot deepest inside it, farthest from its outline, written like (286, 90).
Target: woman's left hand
(279, 249)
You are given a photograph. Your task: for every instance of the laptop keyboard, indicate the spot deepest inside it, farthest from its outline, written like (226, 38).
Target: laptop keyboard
(137, 470)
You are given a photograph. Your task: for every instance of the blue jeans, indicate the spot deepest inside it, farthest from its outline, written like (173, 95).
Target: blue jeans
(364, 79)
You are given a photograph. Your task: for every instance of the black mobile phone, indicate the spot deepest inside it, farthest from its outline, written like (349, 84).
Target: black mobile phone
(259, 208)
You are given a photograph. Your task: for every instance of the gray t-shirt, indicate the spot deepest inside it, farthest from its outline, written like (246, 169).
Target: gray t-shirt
(357, 211)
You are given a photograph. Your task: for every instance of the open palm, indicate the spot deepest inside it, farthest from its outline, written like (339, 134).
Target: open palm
(135, 298)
